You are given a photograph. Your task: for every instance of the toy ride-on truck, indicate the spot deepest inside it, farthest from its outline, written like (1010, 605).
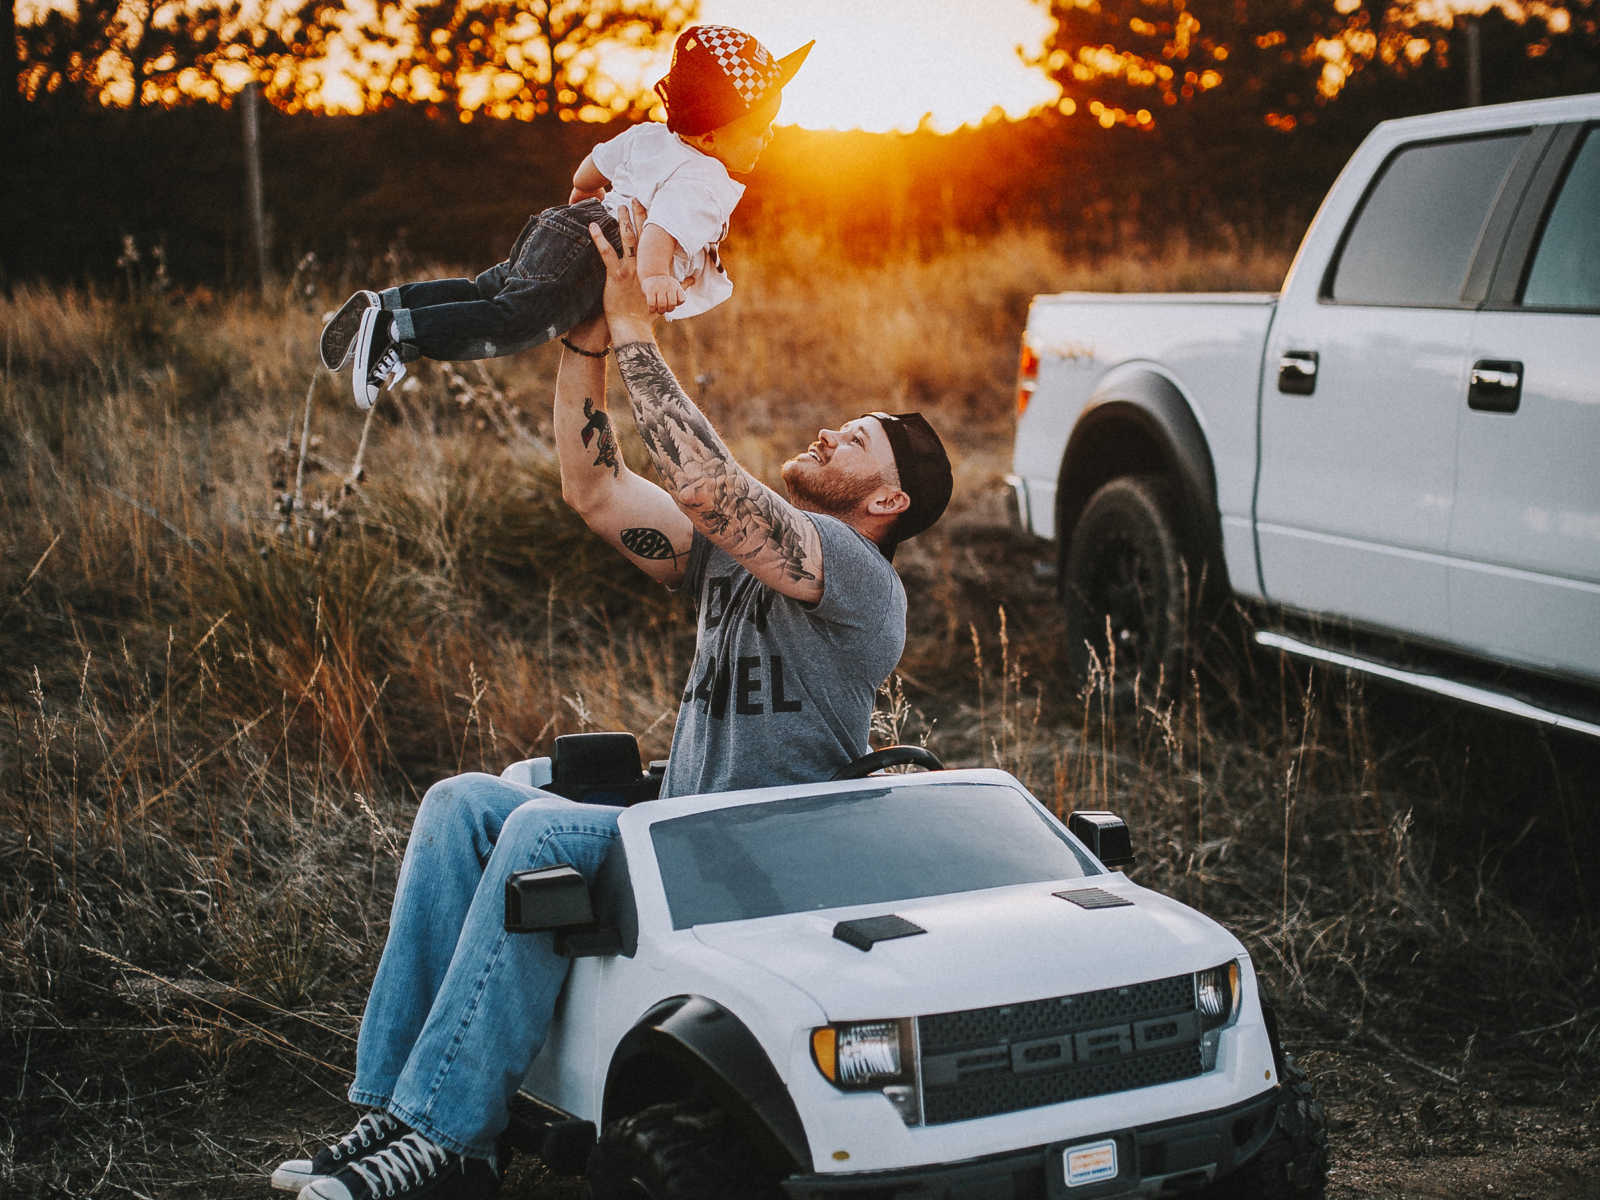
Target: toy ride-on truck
(907, 985)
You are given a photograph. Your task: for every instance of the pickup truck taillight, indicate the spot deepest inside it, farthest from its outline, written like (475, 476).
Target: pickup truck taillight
(1027, 377)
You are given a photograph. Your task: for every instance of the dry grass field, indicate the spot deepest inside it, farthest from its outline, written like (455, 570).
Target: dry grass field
(242, 629)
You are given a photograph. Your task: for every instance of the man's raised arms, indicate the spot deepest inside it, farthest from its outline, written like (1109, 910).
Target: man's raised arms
(771, 538)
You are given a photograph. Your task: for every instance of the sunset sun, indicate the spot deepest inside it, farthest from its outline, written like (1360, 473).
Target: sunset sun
(886, 64)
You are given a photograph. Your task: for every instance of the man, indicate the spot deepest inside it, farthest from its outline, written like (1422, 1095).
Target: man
(801, 618)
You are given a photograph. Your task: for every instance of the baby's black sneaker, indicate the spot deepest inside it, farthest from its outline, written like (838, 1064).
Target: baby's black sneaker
(377, 362)
(339, 334)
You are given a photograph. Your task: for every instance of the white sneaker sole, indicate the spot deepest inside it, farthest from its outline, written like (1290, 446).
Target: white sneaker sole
(329, 1188)
(339, 334)
(293, 1175)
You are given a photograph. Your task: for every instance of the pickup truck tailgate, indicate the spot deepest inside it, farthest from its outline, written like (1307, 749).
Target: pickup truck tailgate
(1093, 346)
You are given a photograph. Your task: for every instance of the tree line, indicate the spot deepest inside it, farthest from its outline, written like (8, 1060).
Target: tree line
(1190, 118)
(1194, 65)
(529, 60)
(1145, 64)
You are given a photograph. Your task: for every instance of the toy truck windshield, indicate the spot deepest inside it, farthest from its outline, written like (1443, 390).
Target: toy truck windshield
(864, 845)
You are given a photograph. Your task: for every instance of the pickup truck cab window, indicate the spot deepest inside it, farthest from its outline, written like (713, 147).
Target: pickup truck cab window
(1566, 268)
(1413, 240)
(856, 847)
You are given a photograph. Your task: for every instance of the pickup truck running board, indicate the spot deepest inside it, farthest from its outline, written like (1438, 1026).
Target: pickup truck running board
(1466, 693)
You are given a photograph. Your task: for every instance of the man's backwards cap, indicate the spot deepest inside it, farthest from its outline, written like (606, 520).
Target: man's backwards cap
(718, 74)
(924, 470)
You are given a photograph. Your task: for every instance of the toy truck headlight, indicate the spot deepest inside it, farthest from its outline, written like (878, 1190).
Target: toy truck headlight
(1216, 994)
(863, 1055)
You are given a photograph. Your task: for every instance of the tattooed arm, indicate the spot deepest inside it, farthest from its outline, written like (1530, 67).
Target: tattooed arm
(776, 542)
(630, 512)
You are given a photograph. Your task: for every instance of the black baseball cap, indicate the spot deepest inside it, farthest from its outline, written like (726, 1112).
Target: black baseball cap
(924, 470)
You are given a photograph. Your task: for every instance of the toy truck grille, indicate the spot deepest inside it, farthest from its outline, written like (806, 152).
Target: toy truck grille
(985, 1061)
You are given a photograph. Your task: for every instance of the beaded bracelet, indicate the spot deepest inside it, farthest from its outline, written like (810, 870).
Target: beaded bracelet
(585, 353)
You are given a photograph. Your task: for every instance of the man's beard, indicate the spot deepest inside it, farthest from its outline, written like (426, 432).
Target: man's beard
(831, 494)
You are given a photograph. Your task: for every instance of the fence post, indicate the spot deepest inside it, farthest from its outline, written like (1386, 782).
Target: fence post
(1474, 63)
(250, 100)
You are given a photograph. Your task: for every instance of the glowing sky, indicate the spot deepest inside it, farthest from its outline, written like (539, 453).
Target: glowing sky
(882, 64)
(877, 64)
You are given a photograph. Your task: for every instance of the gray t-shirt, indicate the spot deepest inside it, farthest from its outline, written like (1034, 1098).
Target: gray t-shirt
(780, 691)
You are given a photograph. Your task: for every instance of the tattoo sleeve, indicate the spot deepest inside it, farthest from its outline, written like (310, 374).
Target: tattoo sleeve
(734, 508)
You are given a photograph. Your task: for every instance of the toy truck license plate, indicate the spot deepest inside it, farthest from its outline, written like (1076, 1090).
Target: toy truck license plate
(1094, 1163)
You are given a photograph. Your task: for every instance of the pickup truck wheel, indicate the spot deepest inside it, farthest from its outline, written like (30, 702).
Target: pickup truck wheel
(1125, 574)
(1293, 1165)
(675, 1152)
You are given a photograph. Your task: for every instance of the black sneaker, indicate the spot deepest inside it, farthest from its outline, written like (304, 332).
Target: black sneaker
(339, 334)
(377, 362)
(409, 1168)
(373, 1131)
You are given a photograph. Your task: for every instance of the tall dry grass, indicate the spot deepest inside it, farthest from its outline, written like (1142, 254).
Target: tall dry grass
(241, 629)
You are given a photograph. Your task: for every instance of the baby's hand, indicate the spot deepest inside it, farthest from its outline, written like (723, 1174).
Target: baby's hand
(579, 193)
(663, 292)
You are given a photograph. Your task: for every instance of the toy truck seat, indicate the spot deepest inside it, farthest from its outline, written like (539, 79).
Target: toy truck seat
(592, 768)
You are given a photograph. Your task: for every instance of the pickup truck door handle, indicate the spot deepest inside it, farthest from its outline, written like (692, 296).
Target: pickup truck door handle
(1496, 386)
(1297, 372)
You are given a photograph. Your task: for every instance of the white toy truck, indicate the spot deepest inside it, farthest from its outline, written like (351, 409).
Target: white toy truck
(1395, 460)
(912, 985)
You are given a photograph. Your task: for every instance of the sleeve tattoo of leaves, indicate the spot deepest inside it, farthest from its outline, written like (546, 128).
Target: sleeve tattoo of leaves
(598, 430)
(729, 503)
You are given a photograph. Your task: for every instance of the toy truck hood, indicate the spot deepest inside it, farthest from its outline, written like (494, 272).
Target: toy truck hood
(981, 949)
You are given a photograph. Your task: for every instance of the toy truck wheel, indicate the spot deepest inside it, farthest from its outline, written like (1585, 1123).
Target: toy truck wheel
(675, 1152)
(1293, 1165)
(1125, 585)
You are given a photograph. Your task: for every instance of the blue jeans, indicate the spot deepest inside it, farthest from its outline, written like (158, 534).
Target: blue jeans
(552, 280)
(459, 1007)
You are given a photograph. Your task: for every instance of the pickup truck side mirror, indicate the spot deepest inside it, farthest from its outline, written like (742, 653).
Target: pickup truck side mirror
(1106, 835)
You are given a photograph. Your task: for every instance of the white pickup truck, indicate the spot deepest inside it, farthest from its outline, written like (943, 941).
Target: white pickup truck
(1402, 445)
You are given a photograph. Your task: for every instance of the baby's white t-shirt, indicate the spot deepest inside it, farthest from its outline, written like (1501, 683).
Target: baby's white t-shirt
(688, 193)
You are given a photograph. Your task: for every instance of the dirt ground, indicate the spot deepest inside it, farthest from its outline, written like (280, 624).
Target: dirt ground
(1481, 1118)
(1395, 1132)
(1399, 1133)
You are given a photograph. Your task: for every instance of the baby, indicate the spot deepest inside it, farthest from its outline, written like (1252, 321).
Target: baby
(721, 94)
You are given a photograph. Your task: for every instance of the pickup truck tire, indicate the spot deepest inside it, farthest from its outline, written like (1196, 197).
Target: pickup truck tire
(1293, 1165)
(1125, 570)
(676, 1151)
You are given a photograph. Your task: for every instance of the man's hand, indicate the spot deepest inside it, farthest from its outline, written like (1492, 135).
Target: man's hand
(662, 292)
(627, 311)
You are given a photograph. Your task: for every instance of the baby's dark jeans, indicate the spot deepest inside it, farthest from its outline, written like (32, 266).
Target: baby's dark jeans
(552, 280)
